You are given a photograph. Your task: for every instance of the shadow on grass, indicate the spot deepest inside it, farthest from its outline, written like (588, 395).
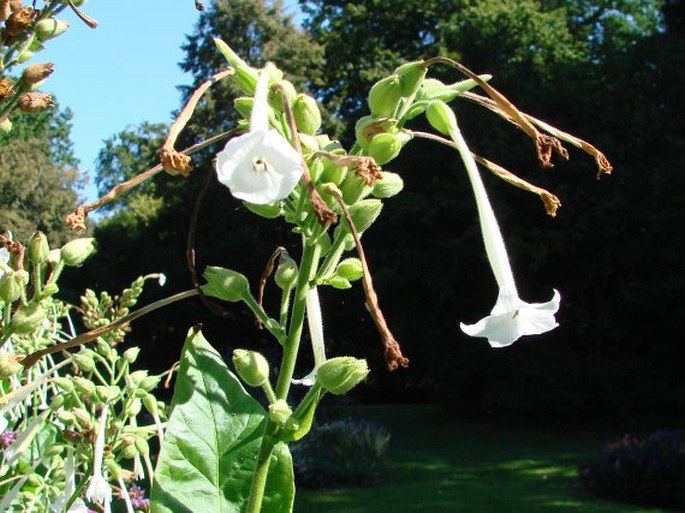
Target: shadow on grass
(435, 467)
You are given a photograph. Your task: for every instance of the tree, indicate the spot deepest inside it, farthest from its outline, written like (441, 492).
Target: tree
(38, 175)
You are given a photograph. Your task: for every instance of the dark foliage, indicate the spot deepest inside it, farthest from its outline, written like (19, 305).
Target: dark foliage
(340, 453)
(648, 471)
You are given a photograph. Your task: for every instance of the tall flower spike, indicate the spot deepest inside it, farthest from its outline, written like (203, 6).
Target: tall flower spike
(260, 166)
(510, 318)
(315, 324)
(98, 488)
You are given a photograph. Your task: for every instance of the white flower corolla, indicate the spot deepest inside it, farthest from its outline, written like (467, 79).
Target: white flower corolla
(78, 506)
(4, 259)
(315, 323)
(260, 166)
(98, 488)
(510, 318)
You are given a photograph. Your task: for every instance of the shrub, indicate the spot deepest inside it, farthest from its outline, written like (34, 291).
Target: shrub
(648, 471)
(341, 453)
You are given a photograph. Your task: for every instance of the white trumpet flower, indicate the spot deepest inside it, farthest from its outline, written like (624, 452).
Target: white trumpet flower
(315, 323)
(260, 166)
(98, 488)
(511, 317)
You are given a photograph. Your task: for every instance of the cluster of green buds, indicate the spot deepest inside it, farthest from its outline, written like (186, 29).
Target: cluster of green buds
(24, 31)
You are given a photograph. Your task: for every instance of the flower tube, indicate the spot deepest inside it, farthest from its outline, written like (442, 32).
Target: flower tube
(261, 166)
(315, 323)
(98, 488)
(511, 317)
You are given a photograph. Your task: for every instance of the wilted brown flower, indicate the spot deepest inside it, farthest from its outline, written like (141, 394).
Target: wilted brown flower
(34, 73)
(175, 163)
(6, 89)
(18, 21)
(34, 102)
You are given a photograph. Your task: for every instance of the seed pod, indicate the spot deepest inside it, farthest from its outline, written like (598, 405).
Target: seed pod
(307, 114)
(384, 147)
(38, 247)
(50, 28)
(35, 73)
(340, 375)
(75, 252)
(245, 75)
(27, 319)
(441, 117)
(411, 77)
(251, 366)
(384, 96)
(225, 284)
(388, 185)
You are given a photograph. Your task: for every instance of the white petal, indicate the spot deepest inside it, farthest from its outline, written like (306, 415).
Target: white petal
(503, 328)
(99, 490)
(259, 118)
(259, 167)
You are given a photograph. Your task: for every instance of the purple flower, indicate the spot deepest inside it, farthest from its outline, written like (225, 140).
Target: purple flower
(138, 499)
(7, 437)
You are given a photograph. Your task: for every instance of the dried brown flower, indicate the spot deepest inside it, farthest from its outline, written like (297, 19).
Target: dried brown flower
(34, 102)
(34, 73)
(6, 89)
(19, 21)
(175, 163)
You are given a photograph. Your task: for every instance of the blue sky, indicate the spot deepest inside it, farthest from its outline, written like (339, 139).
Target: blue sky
(122, 73)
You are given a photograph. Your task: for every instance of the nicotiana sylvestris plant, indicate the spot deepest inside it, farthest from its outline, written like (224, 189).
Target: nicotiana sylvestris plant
(222, 450)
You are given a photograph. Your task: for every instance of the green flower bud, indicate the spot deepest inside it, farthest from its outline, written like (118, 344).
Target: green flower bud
(269, 211)
(128, 448)
(384, 96)
(354, 188)
(280, 412)
(135, 378)
(10, 364)
(225, 284)
(411, 77)
(54, 450)
(150, 383)
(251, 366)
(84, 362)
(50, 289)
(309, 144)
(434, 89)
(388, 185)
(5, 126)
(332, 173)
(142, 446)
(316, 170)
(66, 417)
(384, 147)
(54, 257)
(66, 384)
(24, 56)
(363, 215)
(245, 76)
(369, 127)
(340, 375)
(75, 252)
(82, 417)
(307, 114)
(107, 393)
(114, 469)
(350, 269)
(150, 403)
(275, 98)
(338, 282)
(441, 117)
(85, 386)
(286, 273)
(133, 408)
(27, 319)
(243, 105)
(49, 28)
(10, 287)
(57, 402)
(131, 354)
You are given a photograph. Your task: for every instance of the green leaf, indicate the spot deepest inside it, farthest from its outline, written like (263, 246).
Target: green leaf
(212, 440)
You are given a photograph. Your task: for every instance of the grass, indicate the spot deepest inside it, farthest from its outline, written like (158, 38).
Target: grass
(437, 466)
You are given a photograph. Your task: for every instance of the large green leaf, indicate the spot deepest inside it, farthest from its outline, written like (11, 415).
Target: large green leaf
(212, 440)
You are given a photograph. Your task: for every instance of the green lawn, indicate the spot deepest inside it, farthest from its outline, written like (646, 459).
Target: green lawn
(437, 466)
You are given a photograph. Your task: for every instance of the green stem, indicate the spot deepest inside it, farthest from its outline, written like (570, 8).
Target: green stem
(261, 472)
(310, 252)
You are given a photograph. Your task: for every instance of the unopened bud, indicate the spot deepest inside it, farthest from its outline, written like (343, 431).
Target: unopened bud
(49, 28)
(75, 252)
(434, 89)
(411, 76)
(280, 412)
(114, 469)
(142, 446)
(340, 375)
(150, 403)
(38, 247)
(18, 21)
(27, 319)
(354, 188)
(225, 284)
(10, 287)
(363, 215)
(66, 417)
(34, 73)
(85, 386)
(131, 354)
(251, 366)
(34, 102)
(107, 392)
(84, 362)
(388, 185)
(5, 126)
(64, 383)
(286, 273)
(82, 417)
(243, 105)
(133, 408)
(441, 117)
(384, 147)
(307, 114)
(350, 269)
(135, 378)
(275, 96)
(57, 402)
(245, 76)
(368, 127)
(128, 447)
(384, 96)
(150, 383)
(24, 56)
(10, 364)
